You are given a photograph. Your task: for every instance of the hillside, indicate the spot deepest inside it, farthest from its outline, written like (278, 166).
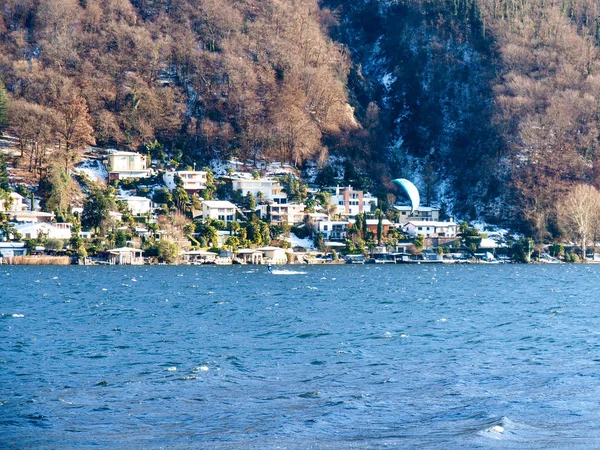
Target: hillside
(204, 78)
(492, 107)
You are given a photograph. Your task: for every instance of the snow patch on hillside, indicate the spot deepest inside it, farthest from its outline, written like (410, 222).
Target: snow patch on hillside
(220, 168)
(387, 80)
(93, 169)
(295, 241)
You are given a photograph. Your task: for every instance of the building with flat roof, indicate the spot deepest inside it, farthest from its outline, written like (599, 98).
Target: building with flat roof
(219, 210)
(269, 188)
(350, 202)
(422, 213)
(16, 203)
(193, 180)
(430, 228)
(291, 213)
(50, 230)
(137, 205)
(333, 229)
(123, 165)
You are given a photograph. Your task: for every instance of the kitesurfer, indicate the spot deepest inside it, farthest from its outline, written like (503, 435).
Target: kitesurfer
(270, 268)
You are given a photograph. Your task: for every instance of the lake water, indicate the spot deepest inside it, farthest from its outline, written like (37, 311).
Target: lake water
(311, 357)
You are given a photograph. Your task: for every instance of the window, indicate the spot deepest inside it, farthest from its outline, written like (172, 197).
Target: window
(325, 227)
(341, 203)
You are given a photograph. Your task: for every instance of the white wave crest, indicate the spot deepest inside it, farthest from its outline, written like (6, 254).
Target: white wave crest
(288, 272)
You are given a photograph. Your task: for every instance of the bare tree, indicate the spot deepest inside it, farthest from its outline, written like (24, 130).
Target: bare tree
(74, 129)
(579, 214)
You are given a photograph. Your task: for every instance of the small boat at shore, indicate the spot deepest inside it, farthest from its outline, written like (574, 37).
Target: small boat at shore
(421, 258)
(381, 258)
(355, 259)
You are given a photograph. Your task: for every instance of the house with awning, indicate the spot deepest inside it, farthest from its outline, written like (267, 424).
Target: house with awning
(274, 255)
(199, 257)
(250, 256)
(125, 256)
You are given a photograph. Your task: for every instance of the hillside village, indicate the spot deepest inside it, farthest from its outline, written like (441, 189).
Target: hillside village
(134, 211)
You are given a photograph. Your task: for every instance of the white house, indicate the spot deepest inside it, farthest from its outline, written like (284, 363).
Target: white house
(250, 256)
(125, 255)
(422, 213)
(193, 180)
(219, 210)
(8, 249)
(16, 203)
(350, 202)
(269, 188)
(127, 165)
(290, 213)
(50, 230)
(274, 255)
(138, 205)
(331, 229)
(429, 228)
(199, 257)
(31, 216)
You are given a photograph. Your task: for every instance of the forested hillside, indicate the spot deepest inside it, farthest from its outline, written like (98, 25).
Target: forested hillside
(491, 106)
(206, 78)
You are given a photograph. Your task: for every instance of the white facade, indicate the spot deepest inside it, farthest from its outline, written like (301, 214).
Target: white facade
(193, 180)
(219, 210)
(350, 202)
(138, 205)
(332, 229)
(50, 230)
(429, 228)
(270, 189)
(31, 216)
(422, 213)
(292, 213)
(9, 249)
(274, 255)
(16, 204)
(125, 256)
(127, 165)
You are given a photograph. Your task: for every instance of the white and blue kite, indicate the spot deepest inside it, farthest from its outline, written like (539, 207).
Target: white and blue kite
(411, 191)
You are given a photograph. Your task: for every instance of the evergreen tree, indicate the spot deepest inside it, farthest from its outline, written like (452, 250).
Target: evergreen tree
(62, 190)
(3, 173)
(379, 216)
(3, 107)
(360, 221)
(250, 201)
(96, 209)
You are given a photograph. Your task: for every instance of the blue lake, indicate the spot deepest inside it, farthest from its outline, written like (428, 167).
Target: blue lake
(311, 357)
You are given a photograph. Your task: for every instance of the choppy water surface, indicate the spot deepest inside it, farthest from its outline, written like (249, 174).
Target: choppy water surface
(333, 357)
